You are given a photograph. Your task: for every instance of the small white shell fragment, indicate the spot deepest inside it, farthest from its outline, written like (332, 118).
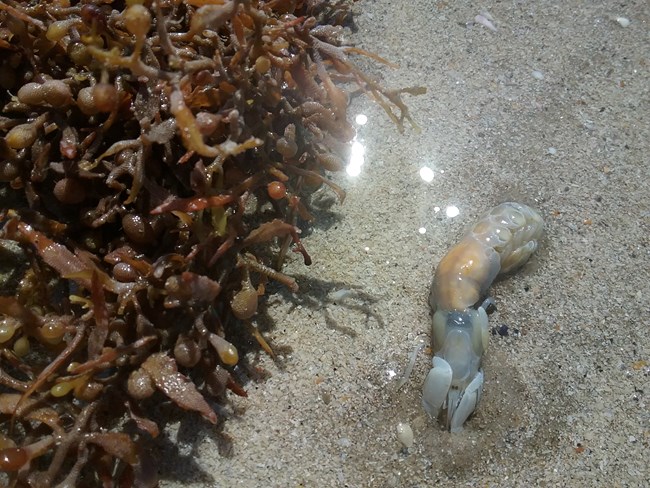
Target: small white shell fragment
(538, 75)
(485, 21)
(405, 434)
(624, 21)
(341, 294)
(345, 442)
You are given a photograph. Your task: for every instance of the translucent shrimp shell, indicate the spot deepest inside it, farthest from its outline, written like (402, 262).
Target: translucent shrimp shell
(500, 242)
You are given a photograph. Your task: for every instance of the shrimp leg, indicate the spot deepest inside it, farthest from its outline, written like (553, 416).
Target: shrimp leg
(500, 242)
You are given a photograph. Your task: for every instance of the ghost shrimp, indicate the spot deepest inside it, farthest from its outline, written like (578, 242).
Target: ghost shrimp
(500, 242)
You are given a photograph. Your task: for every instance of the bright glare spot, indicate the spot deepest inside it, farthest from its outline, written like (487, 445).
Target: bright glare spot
(366, 249)
(357, 159)
(391, 374)
(357, 149)
(361, 119)
(353, 169)
(452, 211)
(422, 230)
(426, 174)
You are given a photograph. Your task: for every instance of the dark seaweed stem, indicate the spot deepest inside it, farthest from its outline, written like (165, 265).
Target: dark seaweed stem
(156, 160)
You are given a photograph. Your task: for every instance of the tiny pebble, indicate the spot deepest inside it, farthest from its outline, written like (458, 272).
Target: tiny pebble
(501, 330)
(405, 435)
(624, 21)
(552, 151)
(538, 75)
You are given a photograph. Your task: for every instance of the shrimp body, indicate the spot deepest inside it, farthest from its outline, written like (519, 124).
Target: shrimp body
(500, 242)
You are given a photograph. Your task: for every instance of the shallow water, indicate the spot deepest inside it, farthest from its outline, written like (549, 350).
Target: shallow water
(551, 109)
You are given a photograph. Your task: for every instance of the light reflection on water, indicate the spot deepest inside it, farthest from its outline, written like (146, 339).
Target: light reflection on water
(357, 158)
(427, 172)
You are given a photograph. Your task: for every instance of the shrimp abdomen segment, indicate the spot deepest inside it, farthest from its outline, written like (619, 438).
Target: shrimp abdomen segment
(513, 230)
(461, 275)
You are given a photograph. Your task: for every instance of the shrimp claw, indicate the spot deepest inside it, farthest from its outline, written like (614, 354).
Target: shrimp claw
(436, 386)
(500, 242)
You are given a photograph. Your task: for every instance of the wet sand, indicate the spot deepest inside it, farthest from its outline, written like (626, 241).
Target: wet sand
(551, 110)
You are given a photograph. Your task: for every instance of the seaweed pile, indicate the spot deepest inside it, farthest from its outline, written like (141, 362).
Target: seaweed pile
(156, 162)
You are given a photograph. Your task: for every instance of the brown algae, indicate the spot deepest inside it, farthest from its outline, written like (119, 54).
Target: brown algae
(156, 162)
